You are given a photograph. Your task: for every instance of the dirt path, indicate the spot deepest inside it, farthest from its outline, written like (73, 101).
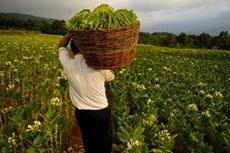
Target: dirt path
(75, 140)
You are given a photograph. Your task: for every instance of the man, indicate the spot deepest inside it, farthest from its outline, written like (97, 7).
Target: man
(87, 93)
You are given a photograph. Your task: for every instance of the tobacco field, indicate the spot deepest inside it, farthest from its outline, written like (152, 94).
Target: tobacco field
(167, 100)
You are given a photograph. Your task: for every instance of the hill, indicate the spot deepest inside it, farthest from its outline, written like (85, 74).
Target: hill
(24, 17)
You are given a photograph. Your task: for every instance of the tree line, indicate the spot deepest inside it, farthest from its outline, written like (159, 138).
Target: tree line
(183, 40)
(56, 27)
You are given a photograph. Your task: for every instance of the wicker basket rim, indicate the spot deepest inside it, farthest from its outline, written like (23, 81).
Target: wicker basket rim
(111, 29)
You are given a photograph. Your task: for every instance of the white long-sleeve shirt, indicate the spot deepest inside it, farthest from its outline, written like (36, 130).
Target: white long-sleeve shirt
(86, 85)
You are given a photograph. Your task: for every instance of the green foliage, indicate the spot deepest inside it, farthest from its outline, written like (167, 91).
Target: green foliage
(179, 96)
(102, 17)
(35, 109)
(167, 100)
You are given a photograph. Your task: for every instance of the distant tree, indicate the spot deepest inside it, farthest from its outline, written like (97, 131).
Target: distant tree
(169, 40)
(46, 28)
(223, 40)
(183, 39)
(145, 38)
(204, 40)
(28, 25)
(58, 27)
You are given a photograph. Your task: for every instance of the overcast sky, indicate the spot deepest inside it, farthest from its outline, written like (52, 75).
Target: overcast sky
(190, 16)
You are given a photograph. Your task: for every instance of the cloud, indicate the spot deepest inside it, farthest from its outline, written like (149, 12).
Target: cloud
(162, 5)
(155, 15)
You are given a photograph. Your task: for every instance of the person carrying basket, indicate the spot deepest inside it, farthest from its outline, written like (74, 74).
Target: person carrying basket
(87, 93)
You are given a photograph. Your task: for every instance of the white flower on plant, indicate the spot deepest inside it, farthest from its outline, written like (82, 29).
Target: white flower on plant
(37, 123)
(202, 92)
(218, 94)
(122, 71)
(16, 61)
(8, 63)
(10, 87)
(167, 69)
(55, 101)
(7, 109)
(192, 107)
(35, 127)
(209, 96)
(157, 85)
(206, 113)
(132, 143)
(63, 76)
(150, 69)
(201, 84)
(164, 135)
(12, 141)
(141, 86)
(25, 57)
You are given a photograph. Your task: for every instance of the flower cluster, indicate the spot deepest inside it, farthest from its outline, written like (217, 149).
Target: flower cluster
(12, 141)
(202, 92)
(10, 87)
(206, 113)
(164, 135)
(8, 63)
(167, 69)
(56, 101)
(63, 76)
(209, 96)
(132, 143)
(35, 127)
(150, 69)
(157, 86)
(149, 120)
(192, 107)
(141, 86)
(201, 84)
(218, 94)
(7, 109)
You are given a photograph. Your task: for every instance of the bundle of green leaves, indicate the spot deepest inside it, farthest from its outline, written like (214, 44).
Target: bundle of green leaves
(102, 17)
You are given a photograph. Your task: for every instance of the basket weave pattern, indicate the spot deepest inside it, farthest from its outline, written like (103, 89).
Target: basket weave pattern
(107, 49)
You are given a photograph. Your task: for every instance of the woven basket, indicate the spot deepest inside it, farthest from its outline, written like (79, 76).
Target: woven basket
(107, 49)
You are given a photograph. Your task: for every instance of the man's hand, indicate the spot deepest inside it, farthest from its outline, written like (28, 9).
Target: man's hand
(64, 41)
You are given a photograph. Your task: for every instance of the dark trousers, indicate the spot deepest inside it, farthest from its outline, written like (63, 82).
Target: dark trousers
(96, 130)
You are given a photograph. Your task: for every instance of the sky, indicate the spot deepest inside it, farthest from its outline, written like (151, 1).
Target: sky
(175, 16)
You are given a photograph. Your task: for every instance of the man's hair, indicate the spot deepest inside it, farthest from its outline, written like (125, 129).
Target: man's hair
(74, 48)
